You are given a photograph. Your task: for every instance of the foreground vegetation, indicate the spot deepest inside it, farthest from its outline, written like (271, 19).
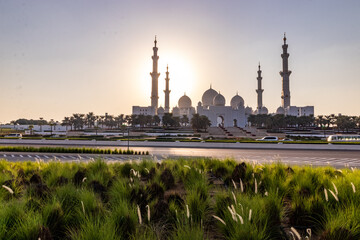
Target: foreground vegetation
(182, 199)
(70, 150)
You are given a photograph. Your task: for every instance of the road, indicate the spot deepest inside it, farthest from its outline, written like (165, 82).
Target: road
(338, 159)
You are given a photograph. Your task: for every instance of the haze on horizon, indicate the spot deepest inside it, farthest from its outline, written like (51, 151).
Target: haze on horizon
(63, 57)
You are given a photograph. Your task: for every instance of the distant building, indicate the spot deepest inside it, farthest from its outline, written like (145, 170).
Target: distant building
(300, 111)
(137, 110)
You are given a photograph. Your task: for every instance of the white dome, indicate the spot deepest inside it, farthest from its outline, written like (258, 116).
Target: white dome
(219, 100)
(160, 110)
(208, 97)
(280, 110)
(248, 110)
(176, 111)
(184, 102)
(237, 101)
(264, 110)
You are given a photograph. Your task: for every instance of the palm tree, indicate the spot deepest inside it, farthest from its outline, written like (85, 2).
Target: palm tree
(31, 129)
(71, 122)
(149, 120)
(119, 120)
(184, 120)
(78, 120)
(90, 119)
(66, 122)
(200, 122)
(157, 120)
(51, 123)
(109, 121)
(41, 123)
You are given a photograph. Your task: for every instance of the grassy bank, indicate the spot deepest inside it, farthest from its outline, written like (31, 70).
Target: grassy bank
(70, 150)
(182, 199)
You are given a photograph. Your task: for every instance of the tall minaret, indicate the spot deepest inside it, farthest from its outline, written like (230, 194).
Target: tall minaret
(155, 76)
(259, 92)
(285, 74)
(167, 91)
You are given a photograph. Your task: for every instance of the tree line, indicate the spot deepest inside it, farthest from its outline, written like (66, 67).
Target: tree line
(79, 121)
(279, 121)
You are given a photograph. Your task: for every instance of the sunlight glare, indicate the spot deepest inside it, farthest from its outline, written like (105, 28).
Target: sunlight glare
(181, 74)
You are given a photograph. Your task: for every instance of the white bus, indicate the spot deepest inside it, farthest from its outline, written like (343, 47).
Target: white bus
(343, 138)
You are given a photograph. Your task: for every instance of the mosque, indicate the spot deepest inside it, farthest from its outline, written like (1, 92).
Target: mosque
(213, 103)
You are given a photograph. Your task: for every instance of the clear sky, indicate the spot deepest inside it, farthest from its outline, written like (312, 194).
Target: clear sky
(76, 56)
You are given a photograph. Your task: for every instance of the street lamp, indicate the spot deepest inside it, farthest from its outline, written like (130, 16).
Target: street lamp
(96, 126)
(128, 138)
(52, 123)
(40, 123)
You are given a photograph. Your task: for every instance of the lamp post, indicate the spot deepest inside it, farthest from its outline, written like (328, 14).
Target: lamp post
(96, 126)
(52, 123)
(40, 123)
(128, 139)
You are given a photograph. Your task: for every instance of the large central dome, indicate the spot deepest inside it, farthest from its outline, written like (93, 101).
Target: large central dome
(184, 102)
(208, 97)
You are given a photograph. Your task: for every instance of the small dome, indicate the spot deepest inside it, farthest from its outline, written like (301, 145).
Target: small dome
(199, 104)
(184, 102)
(160, 110)
(176, 111)
(208, 96)
(237, 101)
(264, 110)
(219, 100)
(280, 110)
(248, 110)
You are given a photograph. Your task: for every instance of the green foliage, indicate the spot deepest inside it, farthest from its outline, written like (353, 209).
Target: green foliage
(181, 196)
(65, 150)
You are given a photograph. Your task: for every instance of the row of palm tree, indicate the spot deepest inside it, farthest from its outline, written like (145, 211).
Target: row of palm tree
(78, 121)
(339, 122)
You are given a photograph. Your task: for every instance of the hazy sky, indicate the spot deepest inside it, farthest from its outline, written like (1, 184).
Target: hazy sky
(76, 56)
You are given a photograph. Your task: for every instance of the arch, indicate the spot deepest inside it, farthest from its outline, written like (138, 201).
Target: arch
(220, 121)
(235, 122)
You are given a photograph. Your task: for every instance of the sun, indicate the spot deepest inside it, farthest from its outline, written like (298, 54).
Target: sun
(181, 74)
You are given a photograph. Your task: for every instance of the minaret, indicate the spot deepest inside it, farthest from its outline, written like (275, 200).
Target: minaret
(155, 79)
(285, 74)
(167, 91)
(259, 92)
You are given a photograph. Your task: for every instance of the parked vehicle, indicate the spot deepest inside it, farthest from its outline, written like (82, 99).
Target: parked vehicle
(268, 138)
(14, 135)
(343, 138)
(287, 140)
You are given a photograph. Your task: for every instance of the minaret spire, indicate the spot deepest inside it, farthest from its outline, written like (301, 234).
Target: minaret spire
(285, 75)
(167, 91)
(259, 91)
(155, 79)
